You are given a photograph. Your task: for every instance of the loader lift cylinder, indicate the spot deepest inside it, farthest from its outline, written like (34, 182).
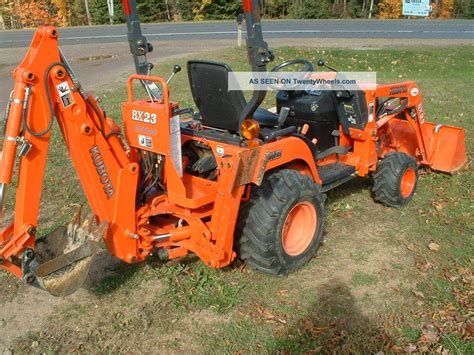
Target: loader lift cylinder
(139, 47)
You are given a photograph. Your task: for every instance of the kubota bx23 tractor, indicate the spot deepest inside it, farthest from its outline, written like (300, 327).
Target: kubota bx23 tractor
(232, 181)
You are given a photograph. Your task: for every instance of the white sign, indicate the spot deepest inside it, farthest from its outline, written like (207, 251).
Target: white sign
(301, 81)
(416, 8)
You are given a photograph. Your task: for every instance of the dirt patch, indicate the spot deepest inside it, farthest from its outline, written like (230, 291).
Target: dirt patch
(26, 309)
(364, 256)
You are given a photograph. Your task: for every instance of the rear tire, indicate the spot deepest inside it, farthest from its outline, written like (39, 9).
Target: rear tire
(396, 180)
(281, 227)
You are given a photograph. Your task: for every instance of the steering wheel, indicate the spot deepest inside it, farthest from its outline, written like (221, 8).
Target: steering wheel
(308, 68)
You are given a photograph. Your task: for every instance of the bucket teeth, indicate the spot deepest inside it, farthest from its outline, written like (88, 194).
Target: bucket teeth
(75, 222)
(89, 223)
(76, 218)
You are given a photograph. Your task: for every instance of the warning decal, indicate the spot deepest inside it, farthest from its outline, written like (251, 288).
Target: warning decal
(65, 94)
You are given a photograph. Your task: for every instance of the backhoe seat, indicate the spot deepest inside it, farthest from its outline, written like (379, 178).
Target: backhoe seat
(219, 107)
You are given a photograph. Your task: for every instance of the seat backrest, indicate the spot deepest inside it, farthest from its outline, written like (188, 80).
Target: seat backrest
(219, 107)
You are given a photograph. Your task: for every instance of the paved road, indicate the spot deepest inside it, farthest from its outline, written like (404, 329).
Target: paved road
(389, 29)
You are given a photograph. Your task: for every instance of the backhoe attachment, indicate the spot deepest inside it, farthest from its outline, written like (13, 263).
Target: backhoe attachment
(46, 89)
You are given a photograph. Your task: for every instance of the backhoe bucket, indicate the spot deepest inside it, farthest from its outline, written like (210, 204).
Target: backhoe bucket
(446, 147)
(62, 259)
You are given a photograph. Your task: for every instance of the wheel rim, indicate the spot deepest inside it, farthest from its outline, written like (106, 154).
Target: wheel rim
(299, 228)
(407, 185)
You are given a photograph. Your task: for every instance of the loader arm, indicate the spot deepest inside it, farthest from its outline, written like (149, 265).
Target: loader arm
(44, 90)
(258, 53)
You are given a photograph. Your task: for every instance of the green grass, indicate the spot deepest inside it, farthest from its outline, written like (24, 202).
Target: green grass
(360, 278)
(411, 334)
(260, 314)
(360, 256)
(200, 287)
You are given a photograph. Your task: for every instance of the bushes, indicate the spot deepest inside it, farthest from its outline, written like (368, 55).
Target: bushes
(312, 9)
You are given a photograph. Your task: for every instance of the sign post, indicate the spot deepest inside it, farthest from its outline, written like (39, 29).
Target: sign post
(240, 19)
(416, 8)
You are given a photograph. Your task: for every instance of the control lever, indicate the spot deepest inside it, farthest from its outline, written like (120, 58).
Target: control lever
(176, 70)
(284, 113)
(322, 63)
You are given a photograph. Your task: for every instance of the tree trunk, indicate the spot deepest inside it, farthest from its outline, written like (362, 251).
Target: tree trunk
(168, 12)
(88, 14)
(2, 24)
(371, 8)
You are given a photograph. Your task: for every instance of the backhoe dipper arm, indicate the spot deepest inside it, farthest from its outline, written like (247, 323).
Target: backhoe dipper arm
(258, 52)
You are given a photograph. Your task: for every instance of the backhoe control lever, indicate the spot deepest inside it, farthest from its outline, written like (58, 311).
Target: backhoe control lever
(322, 63)
(176, 70)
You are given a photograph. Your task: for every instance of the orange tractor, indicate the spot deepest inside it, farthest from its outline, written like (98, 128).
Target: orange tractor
(233, 180)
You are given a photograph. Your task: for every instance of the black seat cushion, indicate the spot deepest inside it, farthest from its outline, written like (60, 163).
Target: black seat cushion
(219, 107)
(265, 118)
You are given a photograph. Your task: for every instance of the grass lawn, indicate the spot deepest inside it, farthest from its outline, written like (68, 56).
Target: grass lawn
(385, 280)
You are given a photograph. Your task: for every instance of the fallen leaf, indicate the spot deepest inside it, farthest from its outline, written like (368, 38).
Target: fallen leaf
(433, 246)
(439, 205)
(410, 348)
(428, 337)
(419, 294)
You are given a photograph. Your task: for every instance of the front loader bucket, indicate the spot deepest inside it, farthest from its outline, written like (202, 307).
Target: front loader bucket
(62, 259)
(446, 147)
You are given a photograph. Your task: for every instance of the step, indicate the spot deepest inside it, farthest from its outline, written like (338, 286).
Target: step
(333, 175)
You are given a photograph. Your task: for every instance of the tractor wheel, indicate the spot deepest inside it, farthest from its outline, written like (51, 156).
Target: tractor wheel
(395, 180)
(281, 227)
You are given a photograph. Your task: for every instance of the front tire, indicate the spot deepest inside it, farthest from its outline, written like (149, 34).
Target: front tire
(396, 180)
(281, 228)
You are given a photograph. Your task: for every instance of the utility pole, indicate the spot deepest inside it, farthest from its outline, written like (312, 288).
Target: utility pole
(88, 14)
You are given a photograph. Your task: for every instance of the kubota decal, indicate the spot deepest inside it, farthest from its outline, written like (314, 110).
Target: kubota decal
(101, 169)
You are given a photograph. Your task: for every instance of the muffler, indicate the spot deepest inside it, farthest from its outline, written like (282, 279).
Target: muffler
(62, 259)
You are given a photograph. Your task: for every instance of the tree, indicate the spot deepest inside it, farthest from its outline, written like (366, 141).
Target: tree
(62, 11)
(34, 13)
(443, 9)
(371, 8)
(390, 9)
(2, 24)
(312, 9)
(100, 12)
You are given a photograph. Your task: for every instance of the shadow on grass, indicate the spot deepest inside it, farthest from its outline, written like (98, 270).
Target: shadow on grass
(334, 324)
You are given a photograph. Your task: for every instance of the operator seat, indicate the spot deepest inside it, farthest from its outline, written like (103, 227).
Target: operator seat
(219, 107)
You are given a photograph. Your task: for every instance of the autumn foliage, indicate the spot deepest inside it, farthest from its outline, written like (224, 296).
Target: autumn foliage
(390, 9)
(35, 13)
(31, 13)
